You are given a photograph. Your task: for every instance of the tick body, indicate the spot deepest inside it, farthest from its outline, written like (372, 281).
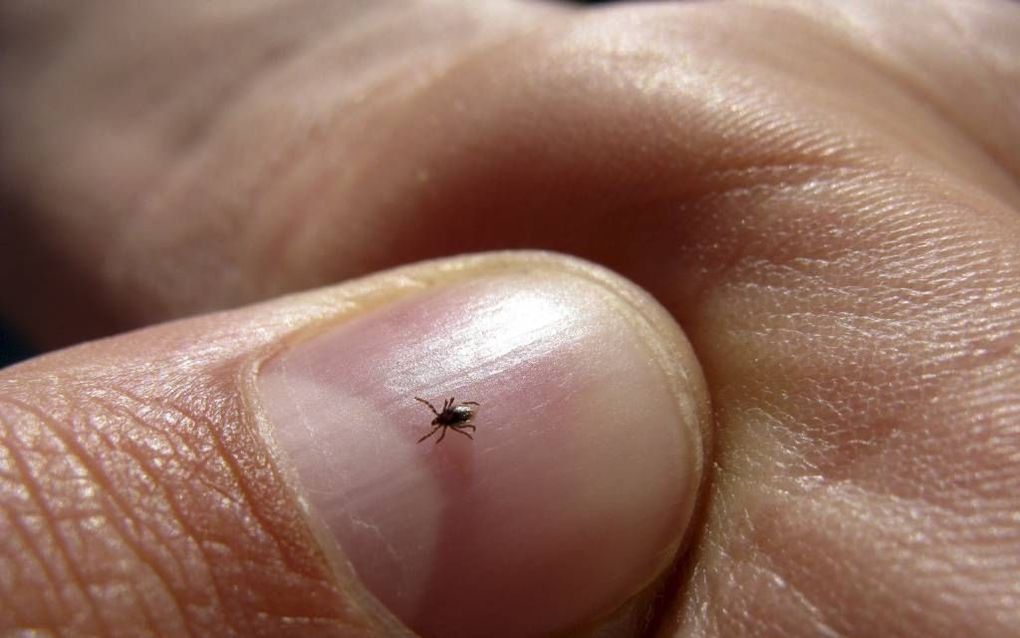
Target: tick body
(454, 416)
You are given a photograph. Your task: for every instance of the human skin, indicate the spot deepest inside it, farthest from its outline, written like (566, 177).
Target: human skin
(823, 195)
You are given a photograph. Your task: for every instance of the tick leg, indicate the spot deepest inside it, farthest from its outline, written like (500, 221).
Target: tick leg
(420, 400)
(470, 403)
(441, 436)
(434, 430)
(464, 433)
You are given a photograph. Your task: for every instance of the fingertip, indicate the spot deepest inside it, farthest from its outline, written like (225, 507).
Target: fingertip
(577, 488)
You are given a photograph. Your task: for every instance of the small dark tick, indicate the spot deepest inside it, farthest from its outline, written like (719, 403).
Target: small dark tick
(456, 417)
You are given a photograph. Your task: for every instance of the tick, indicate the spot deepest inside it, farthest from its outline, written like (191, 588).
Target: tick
(453, 416)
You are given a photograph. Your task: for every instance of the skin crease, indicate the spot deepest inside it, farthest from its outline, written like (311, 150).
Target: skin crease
(824, 198)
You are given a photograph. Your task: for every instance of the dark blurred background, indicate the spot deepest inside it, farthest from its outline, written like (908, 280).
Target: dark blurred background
(14, 347)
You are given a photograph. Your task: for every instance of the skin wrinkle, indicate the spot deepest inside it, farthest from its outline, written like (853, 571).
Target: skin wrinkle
(996, 79)
(238, 474)
(759, 564)
(265, 242)
(885, 63)
(919, 286)
(899, 552)
(224, 454)
(233, 76)
(151, 624)
(283, 231)
(998, 83)
(829, 37)
(265, 64)
(203, 93)
(40, 500)
(816, 618)
(183, 173)
(188, 532)
(718, 617)
(99, 478)
(838, 409)
(30, 540)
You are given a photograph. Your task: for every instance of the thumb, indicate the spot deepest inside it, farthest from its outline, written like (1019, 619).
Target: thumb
(258, 471)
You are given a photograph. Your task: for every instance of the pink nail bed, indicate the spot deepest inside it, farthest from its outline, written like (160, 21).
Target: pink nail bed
(573, 494)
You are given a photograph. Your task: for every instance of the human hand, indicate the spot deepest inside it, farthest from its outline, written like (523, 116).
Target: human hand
(824, 197)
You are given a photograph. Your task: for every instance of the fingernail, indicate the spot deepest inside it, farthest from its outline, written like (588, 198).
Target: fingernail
(574, 492)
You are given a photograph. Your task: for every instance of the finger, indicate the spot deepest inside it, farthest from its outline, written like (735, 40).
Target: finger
(112, 112)
(257, 473)
(189, 211)
(964, 67)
